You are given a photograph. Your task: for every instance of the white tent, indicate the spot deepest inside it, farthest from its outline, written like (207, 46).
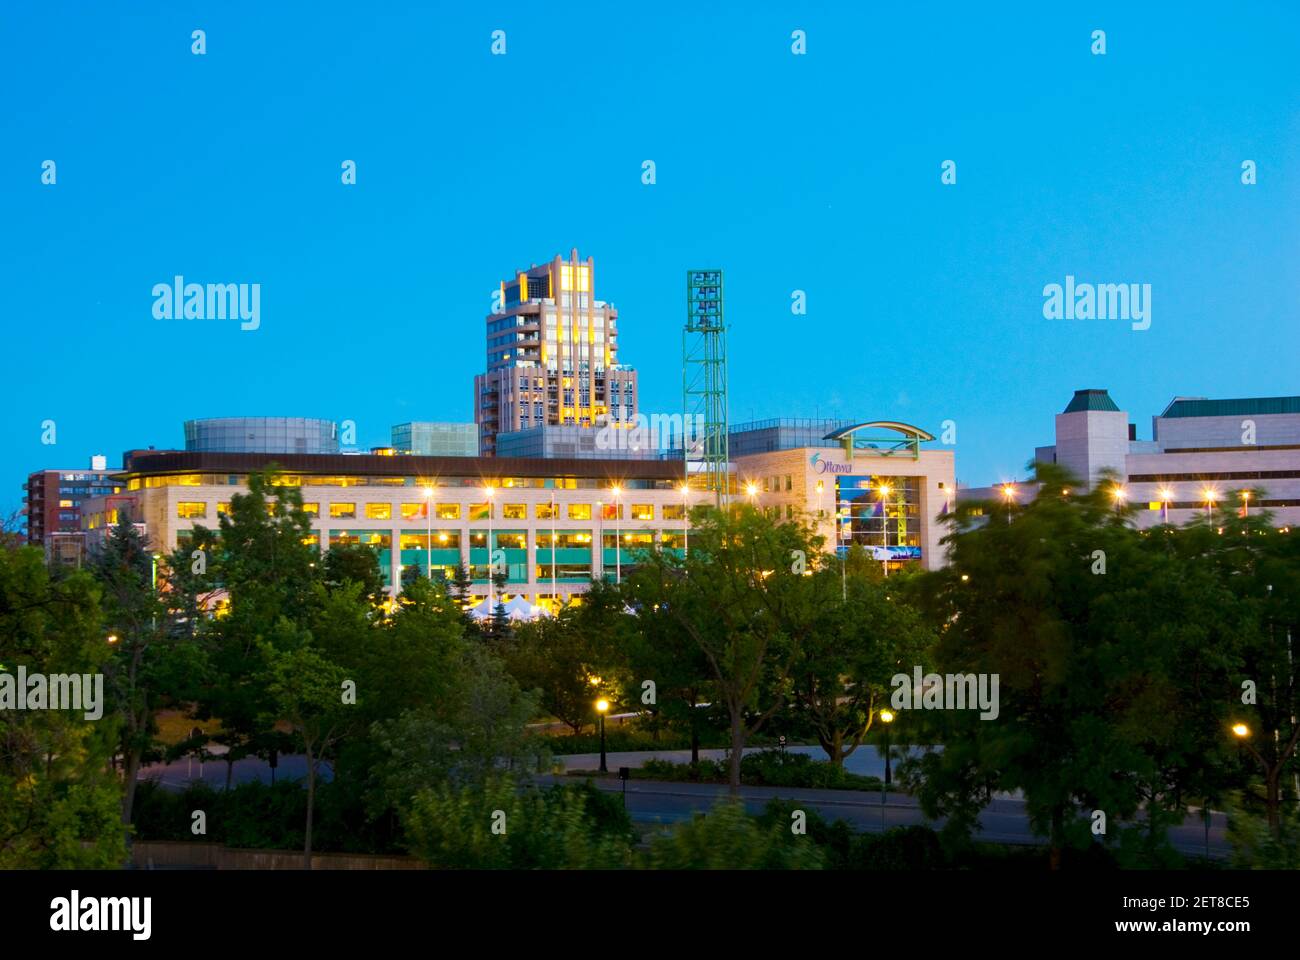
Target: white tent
(483, 610)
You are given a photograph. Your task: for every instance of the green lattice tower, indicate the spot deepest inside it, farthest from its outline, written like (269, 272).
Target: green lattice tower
(704, 384)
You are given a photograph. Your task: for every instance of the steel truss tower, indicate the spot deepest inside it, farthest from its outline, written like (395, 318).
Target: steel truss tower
(704, 385)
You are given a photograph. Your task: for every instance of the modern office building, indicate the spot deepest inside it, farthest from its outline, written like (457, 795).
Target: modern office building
(557, 523)
(1203, 456)
(552, 355)
(261, 435)
(436, 439)
(53, 499)
(870, 484)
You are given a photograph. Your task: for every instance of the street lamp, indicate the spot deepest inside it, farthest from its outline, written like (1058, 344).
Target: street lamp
(602, 707)
(1210, 495)
(1245, 504)
(886, 717)
(1118, 493)
(884, 523)
(1009, 493)
(489, 491)
(618, 542)
(1166, 498)
(428, 533)
(555, 593)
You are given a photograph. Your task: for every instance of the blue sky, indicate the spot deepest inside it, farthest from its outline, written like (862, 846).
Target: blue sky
(818, 173)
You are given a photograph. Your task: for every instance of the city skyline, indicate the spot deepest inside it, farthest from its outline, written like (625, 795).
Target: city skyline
(372, 294)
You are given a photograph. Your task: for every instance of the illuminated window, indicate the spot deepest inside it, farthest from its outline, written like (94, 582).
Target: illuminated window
(643, 511)
(449, 511)
(514, 511)
(579, 511)
(478, 511)
(311, 509)
(544, 511)
(611, 511)
(65, 503)
(343, 510)
(674, 511)
(412, 510)
(379, 511)
(191, 509)
(223, 508)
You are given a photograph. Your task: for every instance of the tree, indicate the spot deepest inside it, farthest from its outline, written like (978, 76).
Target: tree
(737, 598)
(727, 838)
(1106, 650)
(60, 803)
(355, 563)
(147, 664)
(266, 566)
(864, 633)
(308, 691)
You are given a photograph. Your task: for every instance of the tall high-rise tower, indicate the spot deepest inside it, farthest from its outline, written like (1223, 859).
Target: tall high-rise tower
(704, 384)
(552, 355)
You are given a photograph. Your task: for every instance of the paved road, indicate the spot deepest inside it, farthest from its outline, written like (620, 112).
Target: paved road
(1003, 820)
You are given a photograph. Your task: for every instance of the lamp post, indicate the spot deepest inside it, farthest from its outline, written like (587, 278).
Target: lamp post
(1009, 493)
(488, 491)
(1166, 497)
(686, 519)
(555, 594)
(884, 523)
(1118, 493)
(602, 707)
(618, 540)
(428, 533)
(1210, 496)
(886, 717)
(1245, 504)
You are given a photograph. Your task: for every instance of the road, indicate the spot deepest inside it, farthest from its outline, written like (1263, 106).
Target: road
(1003, 820)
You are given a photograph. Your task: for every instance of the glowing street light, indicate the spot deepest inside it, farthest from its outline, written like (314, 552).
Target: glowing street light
(428, 533)
(1210, 496)
(1009, 494)
(602, 707)
(1240, 731)
(886, 717)
(618, 542)
(489, 491)
(884, 524)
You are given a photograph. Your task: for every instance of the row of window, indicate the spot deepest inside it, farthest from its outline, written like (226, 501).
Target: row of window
(503, 540)
(198, 510)
(304, 480)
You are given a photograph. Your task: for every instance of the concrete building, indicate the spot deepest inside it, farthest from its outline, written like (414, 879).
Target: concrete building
(552, 355)
(1203, 456)
(53, 502)
(261, 435)
(436, 439)
(600, 442)
(432, 513)
(870, 484)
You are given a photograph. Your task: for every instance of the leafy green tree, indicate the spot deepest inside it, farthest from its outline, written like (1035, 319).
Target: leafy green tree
(1106, 650)
(564, 659)
(60, 803)
(863, 633)
(308, 692)
(355, 563)
(266, 566)
(738, 597)
(148, 664)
